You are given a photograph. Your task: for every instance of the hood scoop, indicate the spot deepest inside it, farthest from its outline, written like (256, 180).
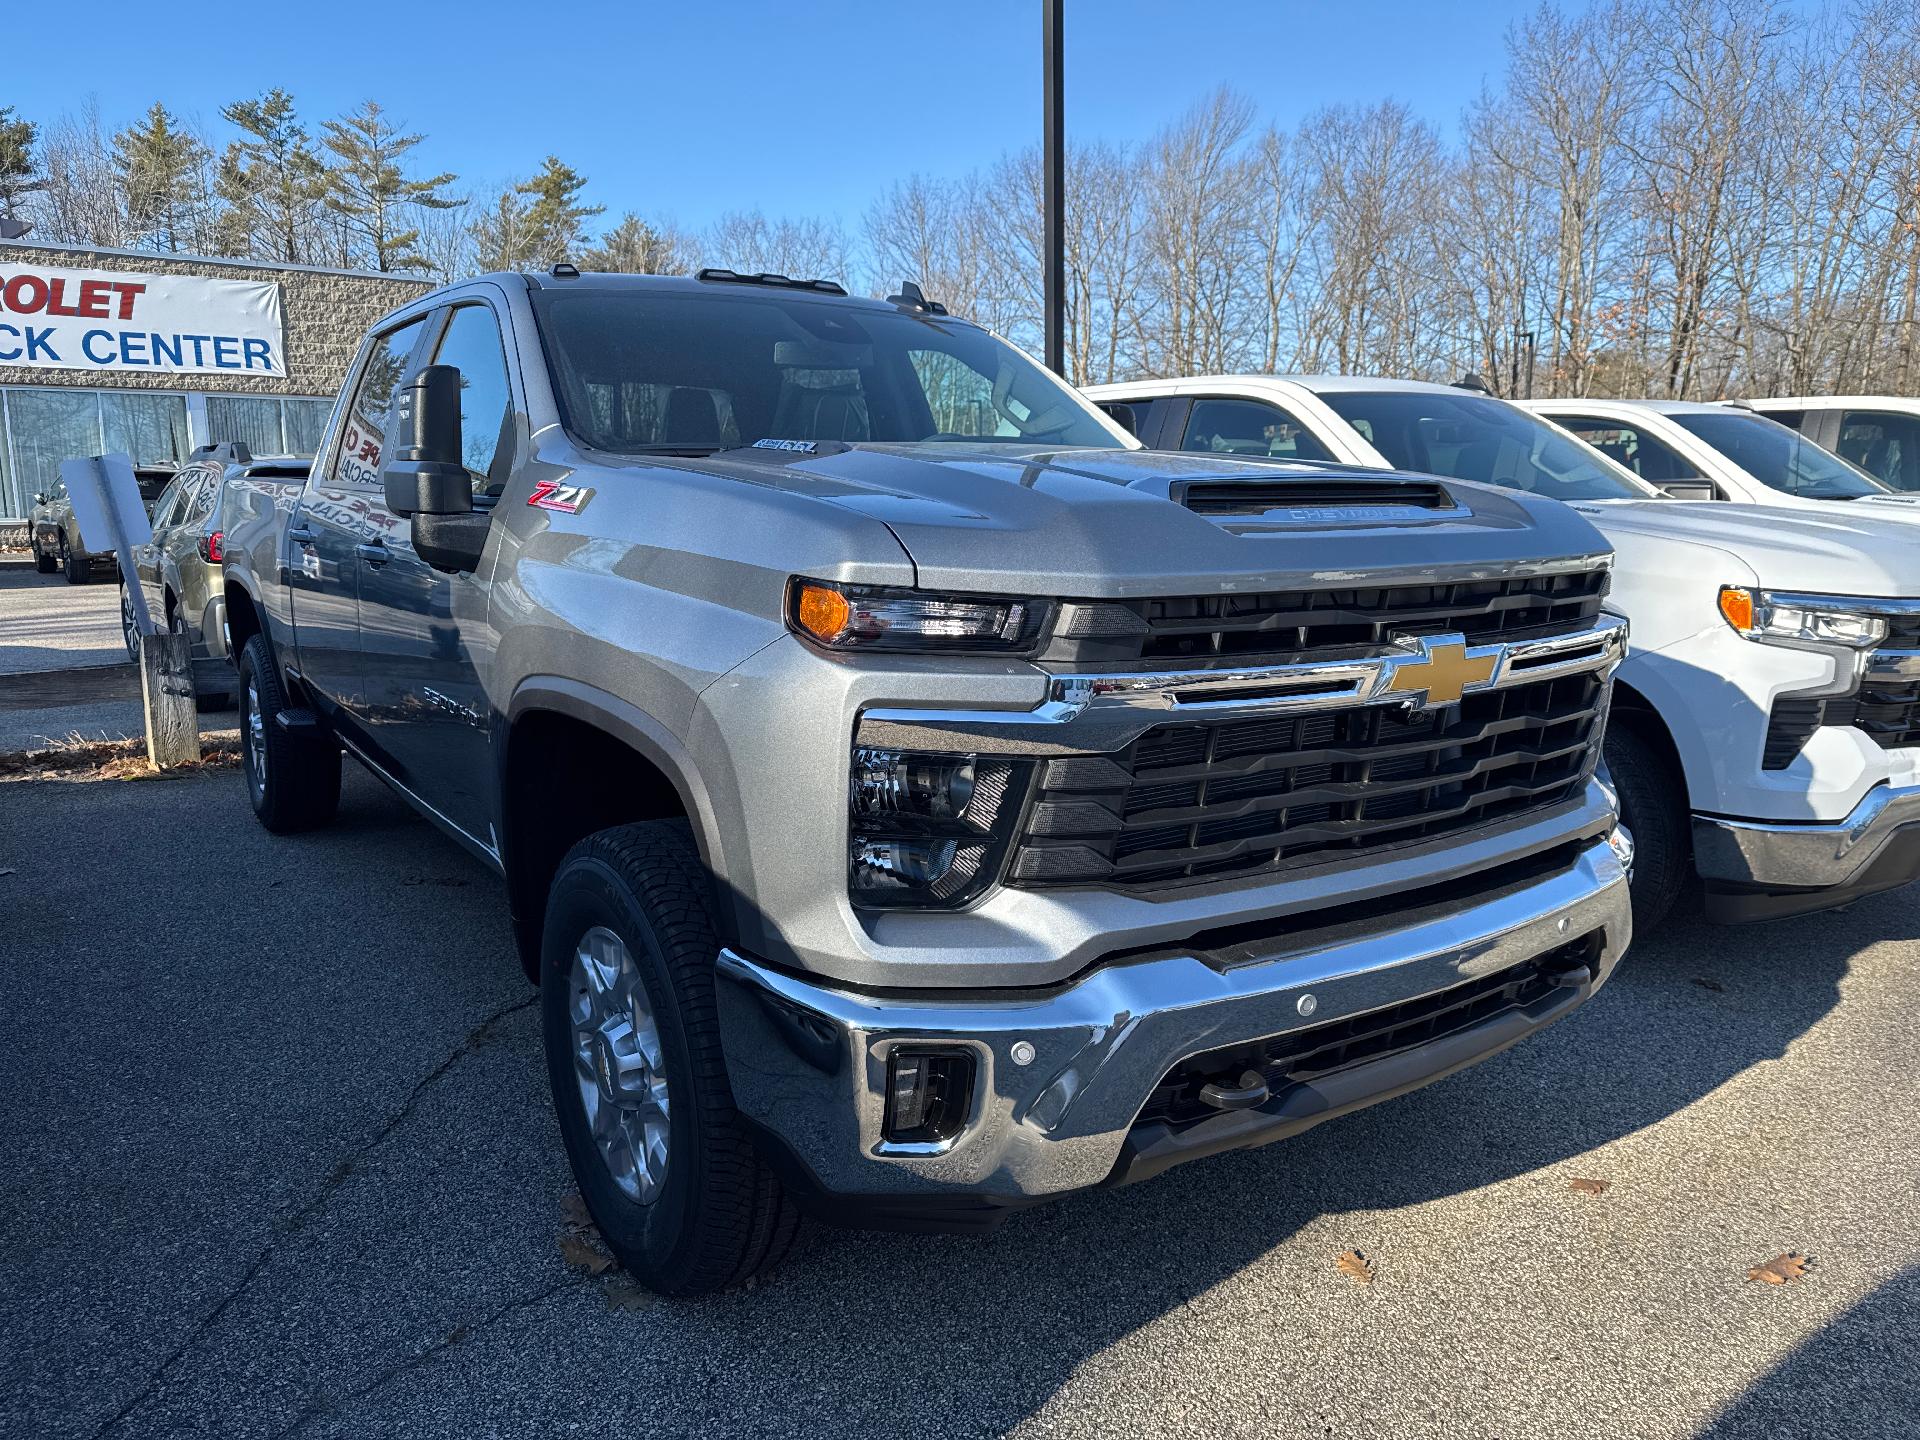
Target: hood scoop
(1311, 500)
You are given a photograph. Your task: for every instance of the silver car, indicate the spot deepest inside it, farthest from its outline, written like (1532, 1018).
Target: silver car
(179, 569)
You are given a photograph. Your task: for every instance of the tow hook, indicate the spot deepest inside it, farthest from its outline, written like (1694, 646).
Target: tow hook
(1249, 1094)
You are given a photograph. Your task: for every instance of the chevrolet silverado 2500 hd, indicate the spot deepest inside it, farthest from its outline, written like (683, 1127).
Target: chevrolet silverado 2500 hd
(1766, 728)
(914, 798)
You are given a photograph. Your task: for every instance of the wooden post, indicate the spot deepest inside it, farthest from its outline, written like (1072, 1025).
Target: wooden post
(166, 686)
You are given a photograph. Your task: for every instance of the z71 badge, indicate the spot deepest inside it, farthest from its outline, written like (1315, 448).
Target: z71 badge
(567, 499)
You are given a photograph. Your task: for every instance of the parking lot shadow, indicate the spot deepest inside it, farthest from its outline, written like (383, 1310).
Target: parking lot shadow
(1854, 1380)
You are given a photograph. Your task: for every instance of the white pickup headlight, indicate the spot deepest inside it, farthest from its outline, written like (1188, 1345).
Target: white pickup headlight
(1779, 617)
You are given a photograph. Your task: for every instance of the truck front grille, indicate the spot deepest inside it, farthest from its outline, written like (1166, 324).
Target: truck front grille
(1296, 621)
(1203, 800)
(1885, 707)
(1301, 1057)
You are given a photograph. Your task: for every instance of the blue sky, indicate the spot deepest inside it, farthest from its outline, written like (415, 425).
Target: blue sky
(685, 111)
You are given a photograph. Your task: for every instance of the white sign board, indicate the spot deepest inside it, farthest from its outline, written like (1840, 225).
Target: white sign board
(154, 324)
(106, 503)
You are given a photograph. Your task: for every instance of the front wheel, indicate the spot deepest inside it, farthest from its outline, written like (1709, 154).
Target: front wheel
(661, 1156)
(79, 571)
(293, 780)
(43, 563)
(1653, 807)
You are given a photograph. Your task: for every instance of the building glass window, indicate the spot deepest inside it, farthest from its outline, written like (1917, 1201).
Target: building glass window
(253, 420)
(49, 426)
(150, 428)
(305, 420)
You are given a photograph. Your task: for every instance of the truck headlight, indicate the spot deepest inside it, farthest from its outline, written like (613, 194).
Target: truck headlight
(927, 829)
(1778, 617)
(869, 618)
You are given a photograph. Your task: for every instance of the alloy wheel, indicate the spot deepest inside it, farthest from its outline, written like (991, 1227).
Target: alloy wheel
(619, 1065)
(256, 728)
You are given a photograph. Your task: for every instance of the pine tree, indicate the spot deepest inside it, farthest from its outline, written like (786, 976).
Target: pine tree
(157, 162)
(556, 214)
(19, 172)
(368, 190)
(634, 247)
(274, 174)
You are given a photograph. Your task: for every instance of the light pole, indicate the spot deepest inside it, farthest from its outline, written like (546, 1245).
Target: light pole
(1054, 184)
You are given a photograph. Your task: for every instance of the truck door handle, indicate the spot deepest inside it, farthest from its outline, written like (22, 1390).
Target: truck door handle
(301, 535)
(374, 554)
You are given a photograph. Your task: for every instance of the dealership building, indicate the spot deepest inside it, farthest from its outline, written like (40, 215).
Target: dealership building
(110, 351)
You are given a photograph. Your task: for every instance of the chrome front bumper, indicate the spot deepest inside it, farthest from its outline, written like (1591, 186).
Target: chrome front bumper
(808, 1063)
(1764, 870)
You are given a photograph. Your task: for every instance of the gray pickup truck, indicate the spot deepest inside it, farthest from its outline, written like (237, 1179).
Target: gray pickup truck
(915, 800)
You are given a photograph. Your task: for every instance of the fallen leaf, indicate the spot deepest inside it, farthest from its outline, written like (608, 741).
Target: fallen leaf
(1589, 1187)
(623, 1296)
(583, 1254)
(1782, 1269)
(575, 1209)
(1705, 984)
(1356, 1267)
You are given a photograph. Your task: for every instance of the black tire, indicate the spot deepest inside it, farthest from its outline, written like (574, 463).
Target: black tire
(293, 781)
(78, 571)
(1653, 805)
(129, 631)
(719, 1215)
(44, 564)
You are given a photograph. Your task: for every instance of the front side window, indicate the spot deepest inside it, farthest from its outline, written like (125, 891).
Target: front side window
(472, 346)
(365, 433)
(662, 371)
(1475, 437)
(1779, 458)
(1652, 460)
(1885, 444)
(1250, 427)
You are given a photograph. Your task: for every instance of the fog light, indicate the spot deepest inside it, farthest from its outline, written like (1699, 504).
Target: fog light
(929, 1093)
(1621, 839)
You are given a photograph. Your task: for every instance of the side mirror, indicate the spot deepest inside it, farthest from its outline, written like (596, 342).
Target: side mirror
(1121, 415)
(425, 477)
(423, 473)
(1690, 489)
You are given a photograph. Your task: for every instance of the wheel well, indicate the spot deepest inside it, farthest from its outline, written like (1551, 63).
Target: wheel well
(243, 621)
(1632, 708)
(566, 779)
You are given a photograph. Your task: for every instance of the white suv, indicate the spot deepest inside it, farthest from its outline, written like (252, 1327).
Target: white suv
(1766, 729)
(1698, 451)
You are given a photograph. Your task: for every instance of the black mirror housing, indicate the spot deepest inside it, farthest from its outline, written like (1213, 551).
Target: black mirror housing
(1121, 415)
(423, 473)
(1690, 489)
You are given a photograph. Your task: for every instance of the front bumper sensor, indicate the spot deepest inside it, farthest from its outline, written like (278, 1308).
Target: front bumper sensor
(1769, 870)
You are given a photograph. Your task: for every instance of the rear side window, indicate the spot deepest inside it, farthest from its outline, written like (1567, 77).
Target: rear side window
(365, 435)
(1885, 444)
(1628, 445)
(1250, 427)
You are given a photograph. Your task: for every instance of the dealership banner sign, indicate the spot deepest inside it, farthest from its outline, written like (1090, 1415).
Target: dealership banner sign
(112, 320)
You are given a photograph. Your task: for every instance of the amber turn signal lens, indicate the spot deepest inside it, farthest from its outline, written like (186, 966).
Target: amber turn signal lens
(823, 613)
(1736, 605)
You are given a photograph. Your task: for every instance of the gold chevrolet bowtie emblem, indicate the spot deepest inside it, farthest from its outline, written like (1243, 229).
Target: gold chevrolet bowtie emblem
(1442, 675)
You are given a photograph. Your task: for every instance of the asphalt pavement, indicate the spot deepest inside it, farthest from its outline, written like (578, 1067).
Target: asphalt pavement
(279, 1160)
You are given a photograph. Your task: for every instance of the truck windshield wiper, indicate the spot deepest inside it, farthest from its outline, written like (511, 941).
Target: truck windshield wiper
(685, 450)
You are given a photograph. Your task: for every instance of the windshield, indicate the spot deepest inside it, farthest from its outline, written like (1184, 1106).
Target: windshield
(658, 371)
(1475, 437)
(1779, 458)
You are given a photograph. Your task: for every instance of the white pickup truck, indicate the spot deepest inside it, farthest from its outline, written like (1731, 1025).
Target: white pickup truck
(1694, 450)
(1766, 724)
(1879, 434)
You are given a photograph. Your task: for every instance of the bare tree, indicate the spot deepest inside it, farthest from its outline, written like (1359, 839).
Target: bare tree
(804, 247)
